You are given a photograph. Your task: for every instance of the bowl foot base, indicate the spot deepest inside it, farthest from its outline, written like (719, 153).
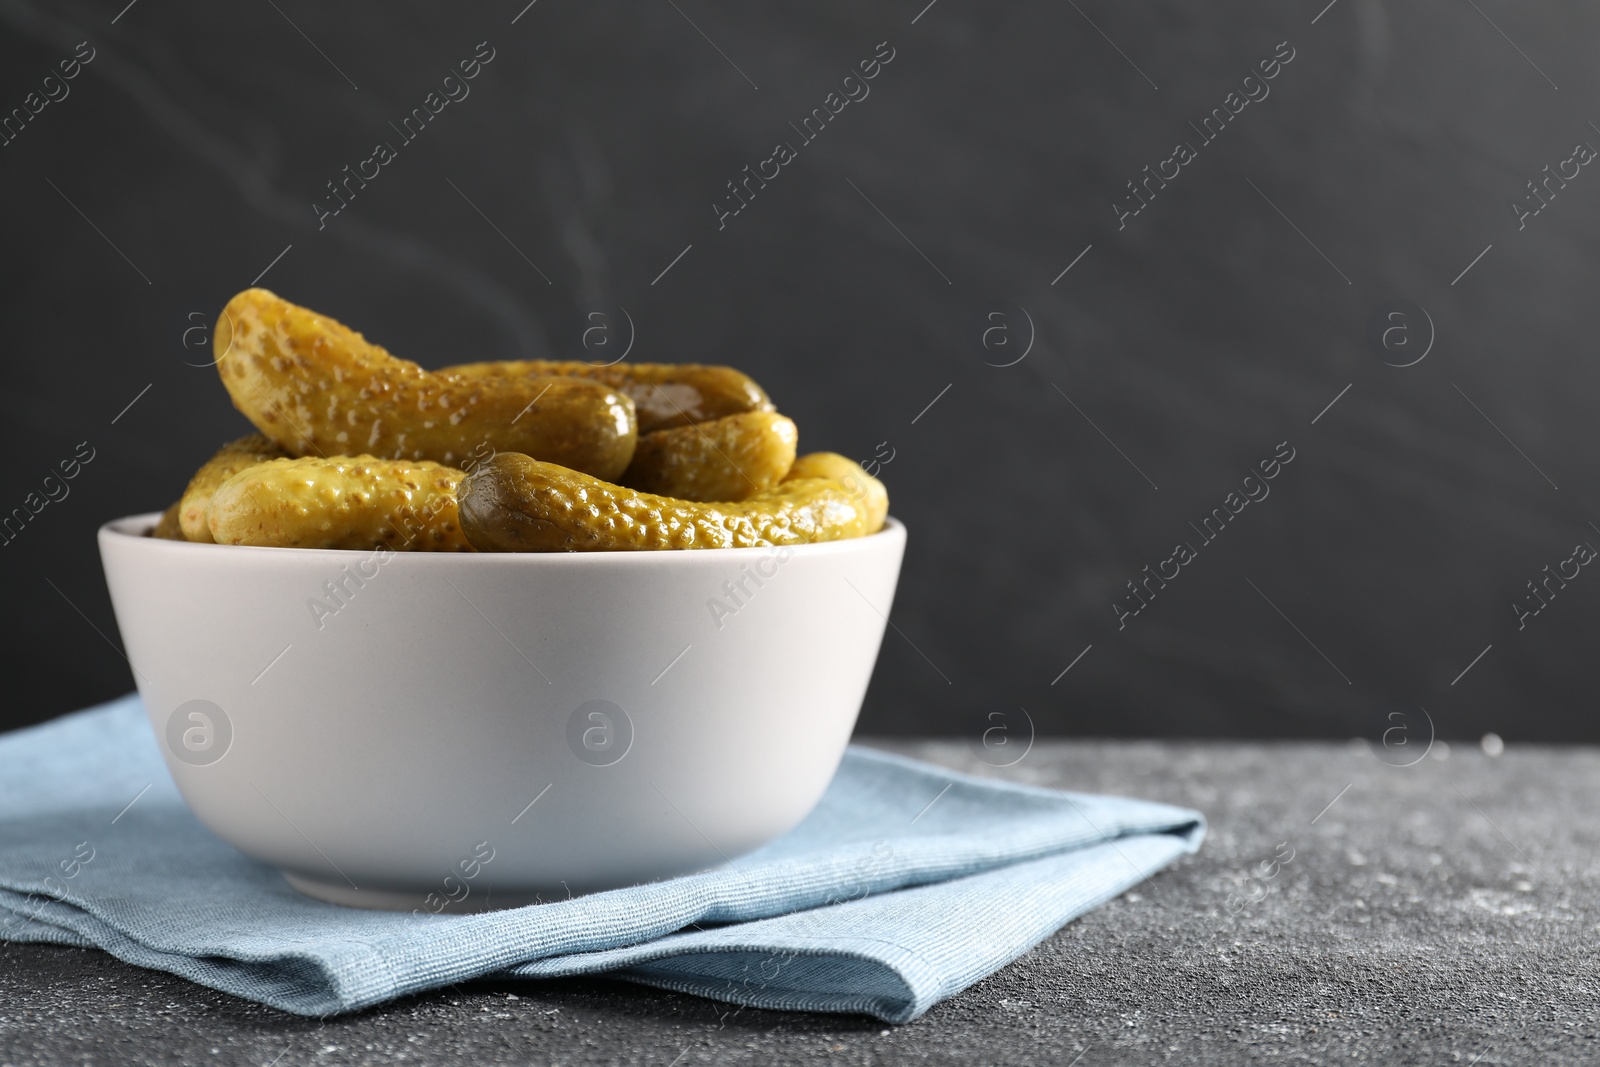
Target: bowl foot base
(480, 899)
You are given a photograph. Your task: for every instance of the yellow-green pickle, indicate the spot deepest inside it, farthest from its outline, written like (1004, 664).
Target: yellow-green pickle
(731, 458)
(313, 385)
(343, 502)
(513, 503)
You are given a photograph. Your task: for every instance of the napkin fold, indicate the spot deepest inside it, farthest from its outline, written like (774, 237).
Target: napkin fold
(907, 884)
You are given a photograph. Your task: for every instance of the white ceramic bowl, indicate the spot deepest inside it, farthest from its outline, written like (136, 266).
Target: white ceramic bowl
(449, 731)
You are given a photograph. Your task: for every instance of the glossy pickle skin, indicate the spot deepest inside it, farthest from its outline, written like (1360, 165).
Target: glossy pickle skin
(665, 394)
(355, 502)
(313, 385)
(728, 459)
(230, 459)
(866, 490)
(513, 503)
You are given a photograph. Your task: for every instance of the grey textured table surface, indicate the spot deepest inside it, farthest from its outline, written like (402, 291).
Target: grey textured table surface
(1444, 912)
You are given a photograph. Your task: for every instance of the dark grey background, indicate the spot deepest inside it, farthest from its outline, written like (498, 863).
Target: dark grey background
(1220, 322)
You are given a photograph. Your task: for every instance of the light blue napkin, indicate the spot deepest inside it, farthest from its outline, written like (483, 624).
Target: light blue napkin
(880, 902)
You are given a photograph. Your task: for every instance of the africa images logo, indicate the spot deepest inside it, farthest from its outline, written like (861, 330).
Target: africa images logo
(199, 733)
(599, 733)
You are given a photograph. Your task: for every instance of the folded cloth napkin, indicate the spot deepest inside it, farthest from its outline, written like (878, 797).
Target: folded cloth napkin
(907, 884)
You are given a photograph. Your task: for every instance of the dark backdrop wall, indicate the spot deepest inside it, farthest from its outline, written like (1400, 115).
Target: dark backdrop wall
(1060, 377)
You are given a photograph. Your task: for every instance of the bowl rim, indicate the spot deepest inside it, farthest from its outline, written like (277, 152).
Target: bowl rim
(134, 528)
